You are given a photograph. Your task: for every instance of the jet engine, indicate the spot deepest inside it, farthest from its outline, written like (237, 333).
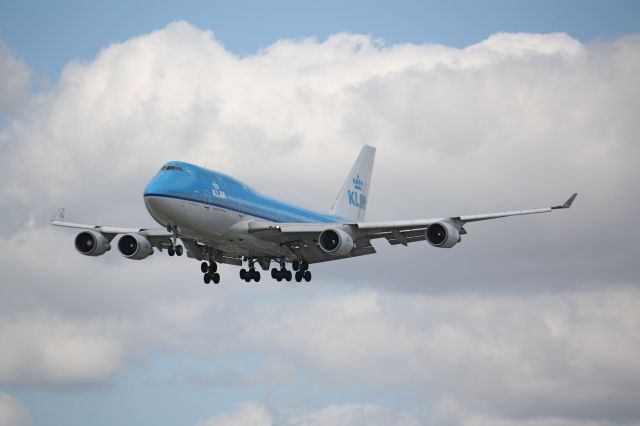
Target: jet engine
(134, 246)
(92, 243)
(442, 235)
(335, 242)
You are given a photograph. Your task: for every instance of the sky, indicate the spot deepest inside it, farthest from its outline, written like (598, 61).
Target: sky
(473, 108)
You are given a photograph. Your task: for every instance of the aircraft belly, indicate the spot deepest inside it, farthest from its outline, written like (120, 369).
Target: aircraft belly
(213, 226)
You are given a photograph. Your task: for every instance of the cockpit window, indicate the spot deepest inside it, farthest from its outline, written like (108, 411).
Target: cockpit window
(177, 168)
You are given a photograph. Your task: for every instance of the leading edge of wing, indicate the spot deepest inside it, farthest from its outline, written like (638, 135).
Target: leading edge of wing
(461, 220)
(58, 220)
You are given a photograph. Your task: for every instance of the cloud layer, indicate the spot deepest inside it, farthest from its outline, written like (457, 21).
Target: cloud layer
(514, 325)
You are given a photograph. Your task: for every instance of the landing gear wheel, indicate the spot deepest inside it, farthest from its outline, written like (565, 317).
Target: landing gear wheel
(171, 251)
(207, 278)
(243, 275)
(304, 265)
(216, 278)
(295, 265)
(204, 267)
(307, 276)
(299, 276)
(288, 275)
(256, 276)
(274, 273)
(179, 250)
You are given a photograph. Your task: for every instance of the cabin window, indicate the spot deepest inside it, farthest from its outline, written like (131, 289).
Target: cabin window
(176, 168)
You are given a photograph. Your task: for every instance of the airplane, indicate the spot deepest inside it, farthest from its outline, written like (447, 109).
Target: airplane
(220, 220)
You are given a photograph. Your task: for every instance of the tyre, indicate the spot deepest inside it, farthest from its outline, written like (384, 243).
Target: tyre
(207, 278)
(274, 273)
(289, 275)
(298, 276)
(204, 267)
(256, 277)
(179, 250)
(171, 251)
(243, 274)
(295, 265)
(216, 278)
(307, 276)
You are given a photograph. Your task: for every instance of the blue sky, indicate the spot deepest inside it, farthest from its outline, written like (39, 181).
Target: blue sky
(49, 34)
(399, 337)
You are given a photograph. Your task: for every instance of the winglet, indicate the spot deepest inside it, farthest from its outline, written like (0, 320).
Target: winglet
(59, 216)
(567, 203)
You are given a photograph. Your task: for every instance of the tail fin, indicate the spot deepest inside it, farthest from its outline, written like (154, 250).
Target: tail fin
(351, 202)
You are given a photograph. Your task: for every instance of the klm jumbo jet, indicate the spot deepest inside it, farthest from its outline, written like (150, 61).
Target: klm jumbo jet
(221, 220)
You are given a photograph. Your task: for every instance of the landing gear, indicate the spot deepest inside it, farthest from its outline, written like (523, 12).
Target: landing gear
(215, 277)
(251, 274)
(302, 269)
(283, 273)
(209, 271)
(174, 249)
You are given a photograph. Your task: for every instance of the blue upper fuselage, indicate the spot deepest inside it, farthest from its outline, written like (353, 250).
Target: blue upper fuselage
(196, 184)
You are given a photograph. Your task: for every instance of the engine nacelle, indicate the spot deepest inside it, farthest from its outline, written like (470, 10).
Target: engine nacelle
(335, 242)
(442, 235)
(135, 246)
(92, 243)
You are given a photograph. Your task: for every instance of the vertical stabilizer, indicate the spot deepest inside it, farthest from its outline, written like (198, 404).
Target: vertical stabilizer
(351, 202)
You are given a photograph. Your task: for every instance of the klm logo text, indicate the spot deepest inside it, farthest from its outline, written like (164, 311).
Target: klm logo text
(356, 198)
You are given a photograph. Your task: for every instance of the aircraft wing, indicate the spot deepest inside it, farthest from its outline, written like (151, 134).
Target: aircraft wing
(302, 238)
(157, 237)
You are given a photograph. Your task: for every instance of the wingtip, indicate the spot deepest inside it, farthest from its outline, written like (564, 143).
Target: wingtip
(59, 217)
(567, 204)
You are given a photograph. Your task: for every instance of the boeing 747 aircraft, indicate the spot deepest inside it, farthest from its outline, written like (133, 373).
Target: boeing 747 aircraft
(219, 219)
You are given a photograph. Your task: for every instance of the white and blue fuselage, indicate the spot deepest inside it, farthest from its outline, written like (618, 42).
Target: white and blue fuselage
(214, 208)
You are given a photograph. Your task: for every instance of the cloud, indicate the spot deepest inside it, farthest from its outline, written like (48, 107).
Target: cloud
(514, 325)
(12, 411)
(14, 82)
(345, 415)
(518, 120)
(448, 413)
(517, 356)
(44, 350)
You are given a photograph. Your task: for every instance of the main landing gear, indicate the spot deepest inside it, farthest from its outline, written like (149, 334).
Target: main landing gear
(302, 271)
(251, 274)
(209, 271)
(301, 268)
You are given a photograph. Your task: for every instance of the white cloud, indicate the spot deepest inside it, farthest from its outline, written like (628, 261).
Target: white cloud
(12, 412)
(517, 120)
(514, 121)
(45, 350)
(344, 415)
(521, 356)
(247, 413)
(14, 82)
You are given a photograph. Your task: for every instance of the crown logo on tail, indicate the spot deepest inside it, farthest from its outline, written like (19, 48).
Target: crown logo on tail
(357, 183)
